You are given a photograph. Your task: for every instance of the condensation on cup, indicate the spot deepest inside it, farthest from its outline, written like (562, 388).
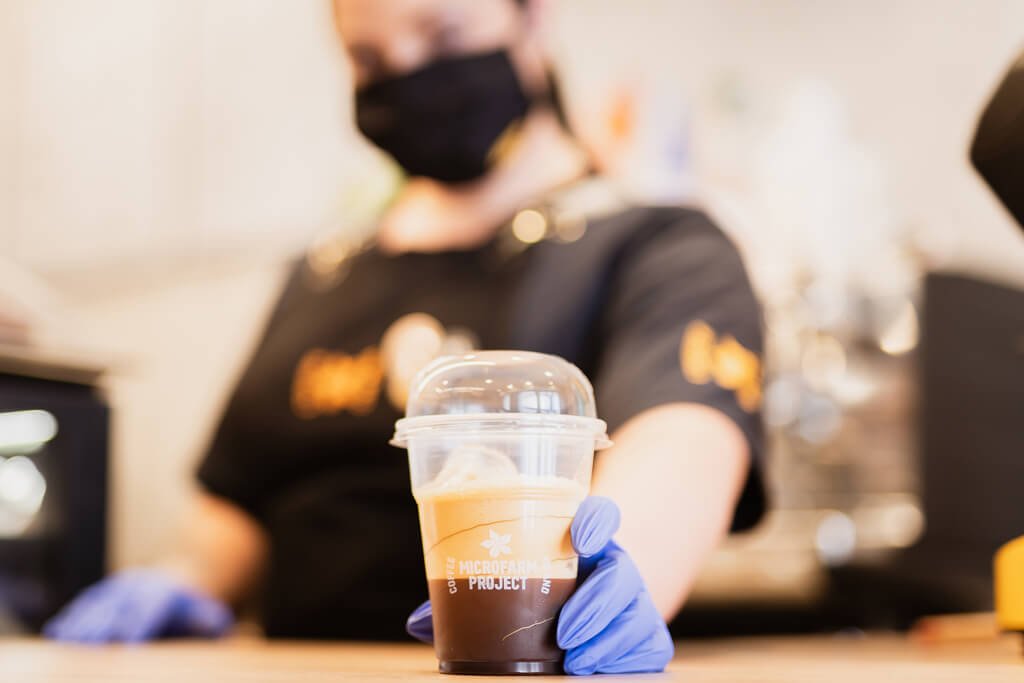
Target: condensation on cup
(501, 446)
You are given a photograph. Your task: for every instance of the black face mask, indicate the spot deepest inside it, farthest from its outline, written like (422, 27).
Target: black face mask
(443, 120)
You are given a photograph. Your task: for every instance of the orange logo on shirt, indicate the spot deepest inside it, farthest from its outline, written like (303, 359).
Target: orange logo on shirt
(705, 358)
(327, 382)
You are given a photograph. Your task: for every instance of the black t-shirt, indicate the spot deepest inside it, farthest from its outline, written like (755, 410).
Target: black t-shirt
(653, 304)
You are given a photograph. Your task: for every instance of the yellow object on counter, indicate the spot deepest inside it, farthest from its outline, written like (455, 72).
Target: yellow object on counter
(1009, 585)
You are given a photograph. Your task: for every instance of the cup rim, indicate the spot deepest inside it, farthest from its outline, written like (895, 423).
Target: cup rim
(498, 424)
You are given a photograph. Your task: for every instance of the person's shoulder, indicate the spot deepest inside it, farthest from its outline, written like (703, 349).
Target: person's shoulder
(680, 230)
(638, 223)
(639, 215)
(320, 272)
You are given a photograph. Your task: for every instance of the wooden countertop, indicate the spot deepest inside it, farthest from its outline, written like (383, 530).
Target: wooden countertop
(870, 659)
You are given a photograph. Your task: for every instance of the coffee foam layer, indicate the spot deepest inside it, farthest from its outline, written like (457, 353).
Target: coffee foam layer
(518, 528)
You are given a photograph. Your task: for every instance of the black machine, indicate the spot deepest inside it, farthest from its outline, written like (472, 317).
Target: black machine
(972, 394)
(972, 413)
(53, 488)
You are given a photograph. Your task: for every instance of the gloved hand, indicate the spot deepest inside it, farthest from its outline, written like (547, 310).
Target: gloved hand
(609, 624)
(420, 624)
(138, 605)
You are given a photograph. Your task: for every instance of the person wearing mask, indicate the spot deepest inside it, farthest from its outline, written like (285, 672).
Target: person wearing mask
(503, 237)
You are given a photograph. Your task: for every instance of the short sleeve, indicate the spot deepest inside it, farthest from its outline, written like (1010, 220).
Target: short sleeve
(681, 324)
(220, 471)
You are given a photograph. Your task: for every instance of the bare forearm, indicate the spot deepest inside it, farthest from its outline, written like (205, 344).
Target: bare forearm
(675, 472)
(222, 550)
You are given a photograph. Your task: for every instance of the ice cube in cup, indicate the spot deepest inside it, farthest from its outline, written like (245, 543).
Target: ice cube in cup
(474, 464)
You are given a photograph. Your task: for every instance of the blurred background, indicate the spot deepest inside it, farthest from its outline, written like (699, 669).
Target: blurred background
(162, 163)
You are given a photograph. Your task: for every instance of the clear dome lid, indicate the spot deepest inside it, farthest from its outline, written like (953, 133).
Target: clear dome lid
(509, 391)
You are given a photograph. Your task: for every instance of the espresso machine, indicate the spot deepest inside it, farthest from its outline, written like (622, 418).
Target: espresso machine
(896, 441)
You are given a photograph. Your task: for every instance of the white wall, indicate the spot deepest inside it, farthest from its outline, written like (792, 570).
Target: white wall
(179, 347)
(911, 75)
(160, 127)
(160, 160)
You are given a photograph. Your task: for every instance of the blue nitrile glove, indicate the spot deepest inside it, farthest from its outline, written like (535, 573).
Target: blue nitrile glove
(610, 624)
(138, 605)
(420, 624)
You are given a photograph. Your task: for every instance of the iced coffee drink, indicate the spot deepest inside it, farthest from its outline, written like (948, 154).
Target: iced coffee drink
(497, 492)
(500, 566)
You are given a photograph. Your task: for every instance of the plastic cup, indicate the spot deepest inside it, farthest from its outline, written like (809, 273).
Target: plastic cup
(501, 446)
